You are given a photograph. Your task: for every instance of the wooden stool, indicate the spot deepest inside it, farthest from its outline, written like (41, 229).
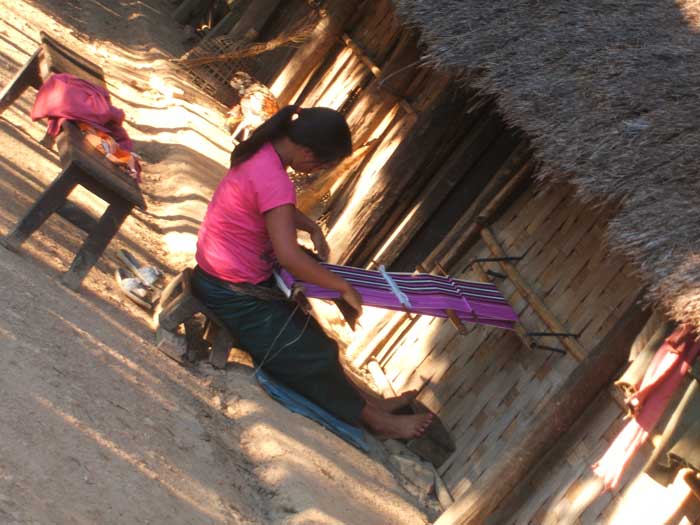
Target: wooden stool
(179, 304)
(81, 164)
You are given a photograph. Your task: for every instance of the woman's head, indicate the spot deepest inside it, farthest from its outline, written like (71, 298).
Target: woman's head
(321, 137)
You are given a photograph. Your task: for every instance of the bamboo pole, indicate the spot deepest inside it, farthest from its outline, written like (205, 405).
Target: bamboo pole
(571, 344)
(451, 315)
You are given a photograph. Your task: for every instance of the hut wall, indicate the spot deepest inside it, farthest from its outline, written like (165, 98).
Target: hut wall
(486, 386)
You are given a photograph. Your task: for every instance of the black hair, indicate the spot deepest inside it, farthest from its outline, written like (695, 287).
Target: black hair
(323, 130)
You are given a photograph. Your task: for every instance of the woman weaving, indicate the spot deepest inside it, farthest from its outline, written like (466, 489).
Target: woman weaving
(250, 223)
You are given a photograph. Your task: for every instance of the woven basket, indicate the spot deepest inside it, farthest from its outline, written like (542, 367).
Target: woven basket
(213, 78)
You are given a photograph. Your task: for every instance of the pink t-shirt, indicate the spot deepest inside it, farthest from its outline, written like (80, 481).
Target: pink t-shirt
(233, 243)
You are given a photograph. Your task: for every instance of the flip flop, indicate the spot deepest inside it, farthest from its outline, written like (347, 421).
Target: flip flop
(133, 288)
(148, 275)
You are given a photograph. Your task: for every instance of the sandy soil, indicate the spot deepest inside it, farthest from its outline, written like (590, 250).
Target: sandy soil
(98, 426)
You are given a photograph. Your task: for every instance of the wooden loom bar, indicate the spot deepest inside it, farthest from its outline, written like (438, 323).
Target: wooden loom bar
(518, 328)
(572, 345)
(451, 315)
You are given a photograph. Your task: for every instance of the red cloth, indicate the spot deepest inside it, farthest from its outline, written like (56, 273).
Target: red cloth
(66, 97)
(665, 373)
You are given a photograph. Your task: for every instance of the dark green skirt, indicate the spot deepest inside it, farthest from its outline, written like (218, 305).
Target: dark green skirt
(299, 354)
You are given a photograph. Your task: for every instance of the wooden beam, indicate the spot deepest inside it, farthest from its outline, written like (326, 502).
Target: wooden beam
(550, 424)
(529, 294)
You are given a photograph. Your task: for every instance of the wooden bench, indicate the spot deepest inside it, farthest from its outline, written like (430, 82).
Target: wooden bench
(178, 305)
(80, 163)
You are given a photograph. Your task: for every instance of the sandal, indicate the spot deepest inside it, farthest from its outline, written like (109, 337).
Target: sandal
(134, 289)
(148, 275)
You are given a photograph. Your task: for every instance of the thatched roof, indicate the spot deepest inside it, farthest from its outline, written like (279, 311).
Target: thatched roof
(609, 93)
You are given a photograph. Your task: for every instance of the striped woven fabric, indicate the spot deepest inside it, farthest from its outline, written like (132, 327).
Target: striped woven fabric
(473, 302)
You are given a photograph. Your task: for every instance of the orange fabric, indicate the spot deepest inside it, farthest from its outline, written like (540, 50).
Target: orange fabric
(107, 146)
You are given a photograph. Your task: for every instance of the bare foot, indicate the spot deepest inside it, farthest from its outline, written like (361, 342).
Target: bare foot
(394, 403)
(394, 426)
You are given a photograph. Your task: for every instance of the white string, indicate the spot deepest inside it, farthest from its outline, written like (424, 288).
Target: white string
(272, 345)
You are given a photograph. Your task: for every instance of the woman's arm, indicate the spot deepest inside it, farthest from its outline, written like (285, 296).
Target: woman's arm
(302, 222)
(281, 227)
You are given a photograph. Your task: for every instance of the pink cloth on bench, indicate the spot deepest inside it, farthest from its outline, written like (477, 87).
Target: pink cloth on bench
(665, 373)
(67, 97)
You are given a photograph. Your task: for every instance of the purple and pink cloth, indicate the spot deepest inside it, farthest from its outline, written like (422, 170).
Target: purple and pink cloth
(473, 302)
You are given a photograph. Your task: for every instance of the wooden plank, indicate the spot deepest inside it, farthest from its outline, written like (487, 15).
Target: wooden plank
(431, 140)
(228, 22)
(61, 59)
(327, 74)
(392, 176)
(377, 30)
(508, 181)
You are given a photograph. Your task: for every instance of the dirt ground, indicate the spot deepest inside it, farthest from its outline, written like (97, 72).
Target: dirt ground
(97, 425)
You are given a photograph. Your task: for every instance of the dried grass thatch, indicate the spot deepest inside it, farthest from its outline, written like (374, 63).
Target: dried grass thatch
(609, 93)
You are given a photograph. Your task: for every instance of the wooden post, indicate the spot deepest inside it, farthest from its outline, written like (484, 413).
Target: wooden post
(228, 22)
(571, 344)
(248, 28)
(189, 9)
(292, 78)
(555, 418)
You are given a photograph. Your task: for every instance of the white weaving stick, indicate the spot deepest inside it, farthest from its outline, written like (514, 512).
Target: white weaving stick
(402, 297)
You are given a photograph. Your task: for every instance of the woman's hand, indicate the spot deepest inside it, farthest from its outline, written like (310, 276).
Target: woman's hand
(320, 244)
(352, 297)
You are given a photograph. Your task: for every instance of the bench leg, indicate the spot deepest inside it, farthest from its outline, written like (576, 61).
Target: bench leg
(25, 77)
(220, 348)
(179, 311)
(51, 200)
(96, 242)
